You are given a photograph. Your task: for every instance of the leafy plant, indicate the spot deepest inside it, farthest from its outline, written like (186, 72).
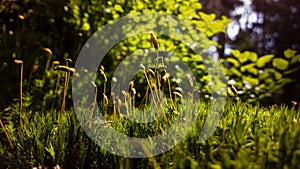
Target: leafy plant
(245, 137)
(259, 77)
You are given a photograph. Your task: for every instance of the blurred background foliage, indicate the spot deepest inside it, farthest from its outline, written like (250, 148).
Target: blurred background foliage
(264, 27)
(263, 67)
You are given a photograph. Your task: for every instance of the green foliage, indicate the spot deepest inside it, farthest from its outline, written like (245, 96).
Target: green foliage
(65, 27)
(210, 25)
(263, 60)
(65, 30)
(244, 138)
(189, 11)
(257, 78)
(289, 53)
(280, 63)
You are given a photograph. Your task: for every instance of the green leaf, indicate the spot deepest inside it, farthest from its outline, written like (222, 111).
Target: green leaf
(243, 57)
(262, 87)
(276, 74)
(215, 166)
(235, 53)
(262, 61)
(280, 63)
(253, 70)
(263, 75)
(207, 17)
(269, 72)
(251, 56)
(140, 5)
(50, 150)
(249, 68)
(289, 53)
(118, 7)
(253, 81)
(233, 61)
(295, 59)
(217, 26)
(235, 71)
(197, 5)
(185, 59)
(201, 66)
(247, 56)
(196, 58)
(86, 26)
(269, 83)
